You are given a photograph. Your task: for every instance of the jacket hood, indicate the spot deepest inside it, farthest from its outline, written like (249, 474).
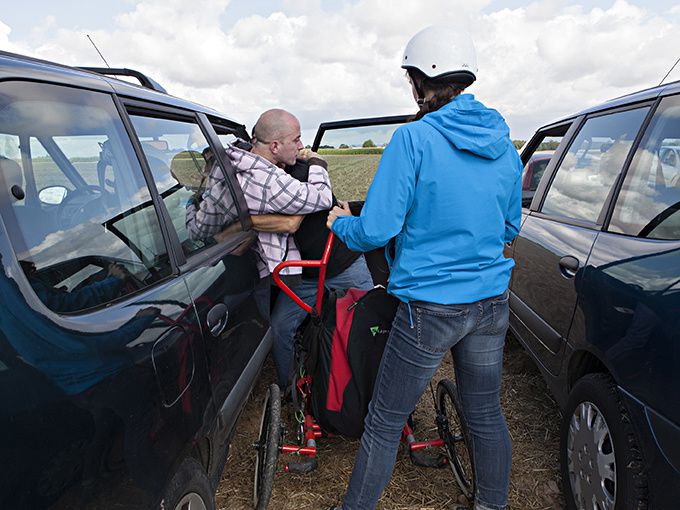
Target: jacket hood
(471, 126)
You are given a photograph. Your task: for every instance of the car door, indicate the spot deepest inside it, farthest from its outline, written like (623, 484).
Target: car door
(559, 230)
(353, 148)
(220, 272)
(104, 372)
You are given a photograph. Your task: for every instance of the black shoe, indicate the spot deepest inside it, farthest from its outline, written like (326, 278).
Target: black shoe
(334, 507)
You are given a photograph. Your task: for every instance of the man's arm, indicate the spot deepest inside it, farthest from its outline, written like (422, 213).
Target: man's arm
(284, 223)
(216, 209)
(287, 195)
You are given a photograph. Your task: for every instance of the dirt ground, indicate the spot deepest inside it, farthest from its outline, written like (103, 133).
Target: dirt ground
(532, 415)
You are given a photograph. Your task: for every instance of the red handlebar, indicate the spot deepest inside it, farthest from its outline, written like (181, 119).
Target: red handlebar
(321, 264)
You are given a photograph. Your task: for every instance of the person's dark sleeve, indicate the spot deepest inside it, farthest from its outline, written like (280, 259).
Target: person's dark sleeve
(90, 295)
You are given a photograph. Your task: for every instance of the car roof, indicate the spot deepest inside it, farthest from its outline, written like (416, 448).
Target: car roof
(634, 97)
(21, 67)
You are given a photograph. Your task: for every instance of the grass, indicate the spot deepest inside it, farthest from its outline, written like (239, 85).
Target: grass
(351, 175)
(354, 151)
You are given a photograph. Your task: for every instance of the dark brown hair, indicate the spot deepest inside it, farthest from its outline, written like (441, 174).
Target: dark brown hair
(440, 90)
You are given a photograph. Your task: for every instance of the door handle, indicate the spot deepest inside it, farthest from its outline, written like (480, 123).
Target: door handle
(569, 266)
(217, 319)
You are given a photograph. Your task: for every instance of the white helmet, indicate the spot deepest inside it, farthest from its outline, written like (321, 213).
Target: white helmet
(440, 52)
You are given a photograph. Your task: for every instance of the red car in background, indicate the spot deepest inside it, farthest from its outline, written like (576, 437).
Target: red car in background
(533, 171)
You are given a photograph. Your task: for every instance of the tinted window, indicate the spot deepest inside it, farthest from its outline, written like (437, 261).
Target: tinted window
(650, 196)
(82, 238)
(178, 154)
(591, 165)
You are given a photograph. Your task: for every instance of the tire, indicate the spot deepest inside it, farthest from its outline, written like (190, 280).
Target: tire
(601, 462)
(454, 432)
(267, 447)
(188, 489)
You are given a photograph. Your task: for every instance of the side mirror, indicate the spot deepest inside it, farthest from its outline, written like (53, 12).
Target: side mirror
(52, 195)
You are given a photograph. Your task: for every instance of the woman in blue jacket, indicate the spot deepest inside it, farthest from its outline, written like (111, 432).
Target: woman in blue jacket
(448, 190)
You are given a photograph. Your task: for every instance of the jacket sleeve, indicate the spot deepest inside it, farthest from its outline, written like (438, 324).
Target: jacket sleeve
(287, 195)
(513, 216)
(388, 200)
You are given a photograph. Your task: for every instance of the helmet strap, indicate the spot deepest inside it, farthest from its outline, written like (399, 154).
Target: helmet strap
(418, 85)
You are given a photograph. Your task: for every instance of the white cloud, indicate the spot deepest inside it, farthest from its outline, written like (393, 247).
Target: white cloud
(539, 62)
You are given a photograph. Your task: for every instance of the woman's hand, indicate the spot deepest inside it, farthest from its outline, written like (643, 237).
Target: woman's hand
(343, 210)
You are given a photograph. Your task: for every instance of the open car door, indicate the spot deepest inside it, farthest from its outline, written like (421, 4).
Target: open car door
(353, 148)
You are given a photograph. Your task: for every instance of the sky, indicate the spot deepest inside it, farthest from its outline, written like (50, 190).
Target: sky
(331, 60)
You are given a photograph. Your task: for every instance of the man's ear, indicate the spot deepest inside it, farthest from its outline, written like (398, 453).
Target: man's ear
(274, 147)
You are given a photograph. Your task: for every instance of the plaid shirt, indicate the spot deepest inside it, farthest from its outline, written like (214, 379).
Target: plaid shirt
(267, 189)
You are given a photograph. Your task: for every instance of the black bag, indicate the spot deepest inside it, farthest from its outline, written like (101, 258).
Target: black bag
(343, 349)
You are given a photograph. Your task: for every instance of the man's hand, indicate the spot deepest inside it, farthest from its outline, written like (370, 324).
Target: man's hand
(343, 210)
(307, 154)
(282, 223)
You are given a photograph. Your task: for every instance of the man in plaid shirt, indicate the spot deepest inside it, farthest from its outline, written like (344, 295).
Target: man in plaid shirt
(277, 203)
(268, 190)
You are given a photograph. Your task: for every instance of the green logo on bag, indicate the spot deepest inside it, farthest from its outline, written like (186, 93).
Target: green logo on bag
(376, 330)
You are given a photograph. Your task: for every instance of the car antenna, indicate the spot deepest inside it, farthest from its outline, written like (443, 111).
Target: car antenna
(100, 53)
(670, 71)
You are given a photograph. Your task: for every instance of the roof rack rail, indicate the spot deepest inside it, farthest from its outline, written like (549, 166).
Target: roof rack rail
(144, 80)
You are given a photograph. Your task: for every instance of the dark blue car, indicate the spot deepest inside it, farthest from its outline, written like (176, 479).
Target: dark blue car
(127, 349)
(595, 298)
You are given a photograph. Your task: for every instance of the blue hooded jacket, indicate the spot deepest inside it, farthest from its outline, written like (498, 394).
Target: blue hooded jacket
(448, 187)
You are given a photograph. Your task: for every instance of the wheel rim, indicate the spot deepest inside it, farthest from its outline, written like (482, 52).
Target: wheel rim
(452, 432)
(261, 446)
(591, 462)
(191, 501)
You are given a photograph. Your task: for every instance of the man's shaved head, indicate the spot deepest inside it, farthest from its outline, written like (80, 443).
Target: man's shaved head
(273, 125)
(276, 137)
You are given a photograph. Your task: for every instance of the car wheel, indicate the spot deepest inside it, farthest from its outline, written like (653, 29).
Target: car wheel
(188, 489)
(602, 465)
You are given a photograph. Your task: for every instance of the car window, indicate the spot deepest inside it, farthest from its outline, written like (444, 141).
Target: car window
(180, 160)
(537, 154)
(591, 165)
(353, 155)
(537, 173)
(649, 200)
(80, 242)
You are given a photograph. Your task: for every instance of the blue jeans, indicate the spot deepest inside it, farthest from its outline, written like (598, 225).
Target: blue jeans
(287, 316)
(475, 333)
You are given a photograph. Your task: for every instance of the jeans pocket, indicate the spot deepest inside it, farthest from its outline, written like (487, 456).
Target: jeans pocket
(439, 327)
(500, 307)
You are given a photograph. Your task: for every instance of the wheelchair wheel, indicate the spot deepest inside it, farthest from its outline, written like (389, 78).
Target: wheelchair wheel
(267, 447)
(453, 431)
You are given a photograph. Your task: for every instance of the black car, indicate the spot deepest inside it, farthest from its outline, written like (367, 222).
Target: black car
(127, 349)
(595, 297)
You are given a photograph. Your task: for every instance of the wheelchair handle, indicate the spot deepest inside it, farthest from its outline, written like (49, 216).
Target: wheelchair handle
(321, 264)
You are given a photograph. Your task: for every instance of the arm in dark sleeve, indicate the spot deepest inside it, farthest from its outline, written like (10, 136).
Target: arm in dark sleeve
(90, 295)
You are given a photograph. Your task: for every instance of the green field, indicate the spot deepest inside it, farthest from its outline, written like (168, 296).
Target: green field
(351, 175)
